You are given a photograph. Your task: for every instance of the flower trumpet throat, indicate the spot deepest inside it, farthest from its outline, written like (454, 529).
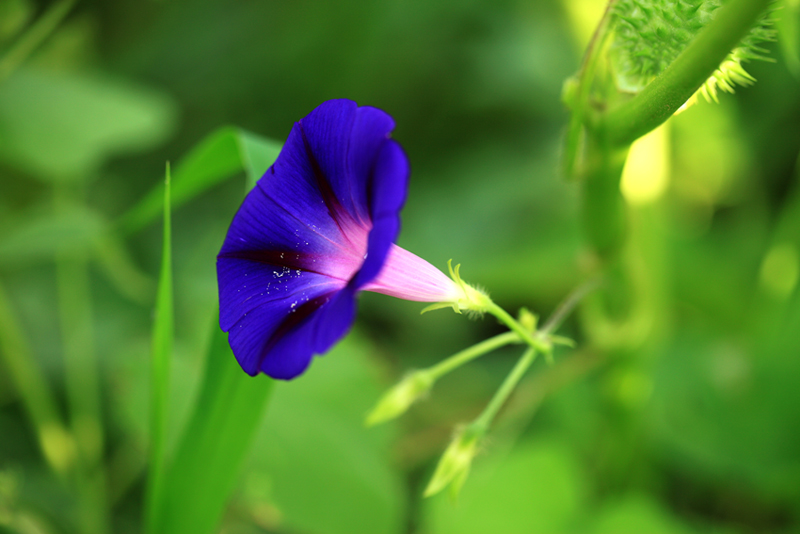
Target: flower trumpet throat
(465, 297)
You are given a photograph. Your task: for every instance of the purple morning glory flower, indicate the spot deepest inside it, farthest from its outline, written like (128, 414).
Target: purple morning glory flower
(318, 228)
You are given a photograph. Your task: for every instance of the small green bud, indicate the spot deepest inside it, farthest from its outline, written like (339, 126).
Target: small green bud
(528, 320)
(397, 400)
(455, 463)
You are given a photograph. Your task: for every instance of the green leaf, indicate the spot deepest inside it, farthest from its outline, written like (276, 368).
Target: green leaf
(719, 409)
(257, 155)
(217, 158)
(163, 333)
(115, 262)
(537, 487)
(33, 37)
(636, 513)
(316, 463)
(207, 461)
(60, 126)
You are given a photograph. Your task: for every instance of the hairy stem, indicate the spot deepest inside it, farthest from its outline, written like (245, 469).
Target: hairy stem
(504, 317)
(672, 88)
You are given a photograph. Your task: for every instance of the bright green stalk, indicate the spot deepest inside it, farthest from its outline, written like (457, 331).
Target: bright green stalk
(504, 317)
(32, 38)
(501, 396)
(511, 381)
(475, 351)
(55, 441)
(454, 466)
(662, 97)
(160, 369)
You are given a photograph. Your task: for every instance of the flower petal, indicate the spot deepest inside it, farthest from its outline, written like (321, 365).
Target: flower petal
(299, 193)
(388, 187)
(265, 246)
(315, 334)
(346, 140)
(258, 335)
(317, 227)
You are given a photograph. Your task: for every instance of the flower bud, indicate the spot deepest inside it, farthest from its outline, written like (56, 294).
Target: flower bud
(398, 399)
(454, 465)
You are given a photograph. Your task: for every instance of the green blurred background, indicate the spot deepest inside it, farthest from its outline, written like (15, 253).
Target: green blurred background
(685, 419)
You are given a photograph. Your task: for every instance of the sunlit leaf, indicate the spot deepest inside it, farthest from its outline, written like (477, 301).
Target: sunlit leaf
(14, 14)
(788, 23)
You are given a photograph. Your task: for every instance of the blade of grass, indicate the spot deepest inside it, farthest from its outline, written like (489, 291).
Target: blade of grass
(200, 476)
(217, 158)
(209, 456)
(163, 329)
(55, 441)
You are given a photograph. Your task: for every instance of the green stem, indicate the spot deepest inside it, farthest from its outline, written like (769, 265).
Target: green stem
(487, 416)
(467, 355)
(579, 102)
(505, 318)
(32, 38)
(672, 88)
(604, 212)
